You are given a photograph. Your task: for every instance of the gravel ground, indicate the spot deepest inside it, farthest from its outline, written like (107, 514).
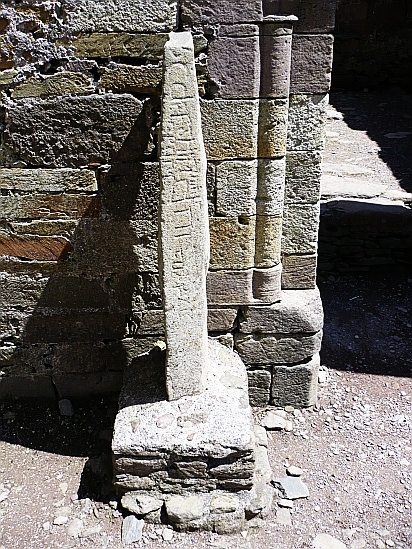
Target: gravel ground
(355, 449)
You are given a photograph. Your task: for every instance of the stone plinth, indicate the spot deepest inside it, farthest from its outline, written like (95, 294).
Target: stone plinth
(201, 447)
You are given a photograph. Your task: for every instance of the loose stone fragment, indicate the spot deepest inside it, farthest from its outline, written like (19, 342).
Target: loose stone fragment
(287, 503)
(74, 528)
(294, 471)
(141, 504)
(325, 541)
(291, 487)
(132, 529)
(66, 407)
(283, 517)
(273, 422)
(60, 520)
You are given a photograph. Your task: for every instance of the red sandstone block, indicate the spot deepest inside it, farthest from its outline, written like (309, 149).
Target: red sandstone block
(35, 247)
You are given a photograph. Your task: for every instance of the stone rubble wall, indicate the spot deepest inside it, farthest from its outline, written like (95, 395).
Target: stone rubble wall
(80, 86)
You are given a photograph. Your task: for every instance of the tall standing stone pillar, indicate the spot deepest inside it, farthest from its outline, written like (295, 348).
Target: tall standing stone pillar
(184, 229)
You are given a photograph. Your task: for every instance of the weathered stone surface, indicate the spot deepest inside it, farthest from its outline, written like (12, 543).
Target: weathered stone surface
(232, 242)
(236, 187)
(259, 387)
(270, 187)
(295, 385)
(275, 51)
(230, 287)
(139, 466)
(49, 207)
(196, 13)
(276, 349)
(184, 236)
(35, 247)
(115, 246)
(306, 122)
(297, 312)
(63, 180)
(131, 191)
(221, 503)
(130, 78)
(211, 427)
(311, 63)
(46, 132)
(131, 530)
(268, 241)
(325, 541)
(273, 120)
(299, 272)
(87, 16)
(230, 128)
(62, 83)
(303, 173)
(146, 46)
(273, 422)
(7, 76)
(300, 228)
(185, 508)
(312, 16)
(141, 503)
(221, 320)
(267, 283)
(234, 67)
(291, 487)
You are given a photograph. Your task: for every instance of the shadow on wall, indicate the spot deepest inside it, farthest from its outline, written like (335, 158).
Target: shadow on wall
(386, 116)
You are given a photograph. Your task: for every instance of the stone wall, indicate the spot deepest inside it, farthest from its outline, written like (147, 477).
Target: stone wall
(80, 105)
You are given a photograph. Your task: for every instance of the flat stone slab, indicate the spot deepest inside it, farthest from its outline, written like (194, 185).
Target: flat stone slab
(291, 487)
(214, 424)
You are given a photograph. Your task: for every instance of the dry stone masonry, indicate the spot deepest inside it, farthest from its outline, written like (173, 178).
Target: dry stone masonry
(81, 85)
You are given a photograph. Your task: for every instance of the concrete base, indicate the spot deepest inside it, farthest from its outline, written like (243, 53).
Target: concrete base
(193, 462)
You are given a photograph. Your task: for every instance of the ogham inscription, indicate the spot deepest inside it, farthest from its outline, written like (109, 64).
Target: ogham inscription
(184, 230)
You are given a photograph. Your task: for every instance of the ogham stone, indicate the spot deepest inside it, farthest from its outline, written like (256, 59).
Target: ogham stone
(184, 232)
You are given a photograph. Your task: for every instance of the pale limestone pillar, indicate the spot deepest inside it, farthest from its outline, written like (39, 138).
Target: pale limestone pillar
(184, 230)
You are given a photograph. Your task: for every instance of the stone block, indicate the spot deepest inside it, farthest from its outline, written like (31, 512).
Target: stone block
(147, 323)
(276, 348)
(229, 287)
(65, 229)
(115, 246)
(35, 248)
(131, 191)
(295, 385)
(78, 358)
(211, 188)
(230, 128)
(268, 241)
(48, 207)
(300, 228)
(270, 187)
(88, 327)
(275, 51)
(146, 46)
(7, 76)
(297, 312)
(47, 133)
(86, 385)
(236, 187)
(39, 180)
(234, 67)
(62, 83)
(87, 16)
(273, 120)
(232, 242)
(299, 272)
(266, 284)
(196, 13)
(144, 79)
(313, 15)
(303, 173)
(311, 67)
(259, 387)
(306, 122)
(221, 320)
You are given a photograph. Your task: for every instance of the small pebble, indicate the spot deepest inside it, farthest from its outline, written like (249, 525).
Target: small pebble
(294, 471)
(167, 534)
